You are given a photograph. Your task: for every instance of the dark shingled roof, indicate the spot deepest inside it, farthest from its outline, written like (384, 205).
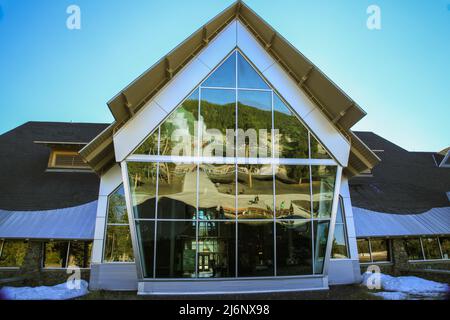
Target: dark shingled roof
(25, 184)
(403, 182)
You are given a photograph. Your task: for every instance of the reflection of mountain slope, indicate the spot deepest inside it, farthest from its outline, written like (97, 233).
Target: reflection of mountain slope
(223, 116)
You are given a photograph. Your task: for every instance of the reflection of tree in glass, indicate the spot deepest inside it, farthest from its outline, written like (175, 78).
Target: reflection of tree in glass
(142, 173)
(293, 136)
(118, 247)
(117, 207)
(13, 253)
(182, 119)
(150, 145)
(56, 254)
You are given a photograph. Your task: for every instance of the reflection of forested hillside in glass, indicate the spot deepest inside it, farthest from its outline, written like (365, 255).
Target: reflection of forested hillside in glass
(292, 135)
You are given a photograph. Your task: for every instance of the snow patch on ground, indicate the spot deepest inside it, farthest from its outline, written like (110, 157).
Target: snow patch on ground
(58, 292)
(392, 295)
(401, 288)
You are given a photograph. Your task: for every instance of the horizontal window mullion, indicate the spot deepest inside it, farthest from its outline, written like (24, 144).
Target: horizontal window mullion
(230, 160)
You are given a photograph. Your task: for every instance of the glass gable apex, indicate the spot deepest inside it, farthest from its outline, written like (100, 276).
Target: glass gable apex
(234, 112)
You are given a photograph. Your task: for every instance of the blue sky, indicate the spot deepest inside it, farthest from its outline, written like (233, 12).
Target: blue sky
(400, 75)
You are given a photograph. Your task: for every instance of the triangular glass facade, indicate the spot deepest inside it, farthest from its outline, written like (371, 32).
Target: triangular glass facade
(253, 194)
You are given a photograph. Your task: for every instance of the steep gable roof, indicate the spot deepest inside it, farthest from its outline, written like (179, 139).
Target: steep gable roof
(340, 109)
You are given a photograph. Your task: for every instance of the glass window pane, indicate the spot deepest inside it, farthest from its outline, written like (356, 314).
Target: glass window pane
(248, 77)
(218, 122)
(224, 76)
(255, 192)
(255, 249)
(217, 192)
(320, 244)
(364, 251)
(175, 249)
(339, 250)
(145, 231)
(445, 245)
(339, 214)
(291, 136)
(431, 248)
(254, 124)
(117, 207)
(178, 132)
(143, 189)
(380, 250)
(13, 253)
(216, 249)
(413, 249)
(177, 191)
(317, 150)
(323, 181)
(55, 254)
(294, 248)
(293, 193)
(150, 145)
(80, 254)
(118, 246)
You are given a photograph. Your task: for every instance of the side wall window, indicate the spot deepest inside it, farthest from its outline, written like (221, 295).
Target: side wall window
(340, 243)
(118, 246)
(427, 248)
(374, 250)
(64, 254)
(445, 245)
(12, 253)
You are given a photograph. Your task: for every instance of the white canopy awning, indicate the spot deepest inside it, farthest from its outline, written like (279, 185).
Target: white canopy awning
(377, 224)
(77, 223)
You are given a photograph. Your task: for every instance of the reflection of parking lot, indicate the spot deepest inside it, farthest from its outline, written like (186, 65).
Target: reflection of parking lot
(255, 192)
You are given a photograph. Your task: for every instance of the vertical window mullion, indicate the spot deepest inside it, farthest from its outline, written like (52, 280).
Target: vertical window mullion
(43, 255)
(370, 249)
(199, 154)
(67, 255)
(197, 222)
(274, 191)
(312, 217)
(236, 144)
(440, 247)
(423, 251)
(155, 236)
